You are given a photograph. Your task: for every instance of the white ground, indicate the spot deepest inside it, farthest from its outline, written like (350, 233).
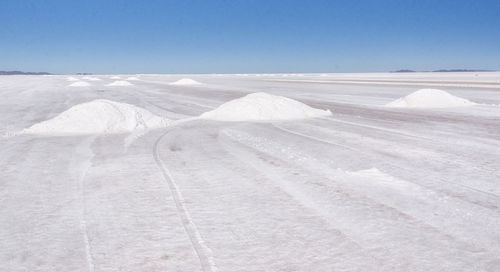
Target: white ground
(369, 188)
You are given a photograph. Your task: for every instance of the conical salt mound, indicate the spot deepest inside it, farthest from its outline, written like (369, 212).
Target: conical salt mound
(430, 98)
(185, 82)
(120, 83)
(99, 116)
(79, 84)
(263, 107)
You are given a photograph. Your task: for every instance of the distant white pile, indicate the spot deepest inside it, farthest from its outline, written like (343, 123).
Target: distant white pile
(120, 83)
(71, 79)
(132, 78)
(185, 82)
(80, 84)
(91, 78)
(99, 116)
(430, 98)
(263, 107)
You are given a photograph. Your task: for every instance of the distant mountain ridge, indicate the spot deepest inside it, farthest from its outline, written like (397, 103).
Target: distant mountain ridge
(8, 73)
(442, 71)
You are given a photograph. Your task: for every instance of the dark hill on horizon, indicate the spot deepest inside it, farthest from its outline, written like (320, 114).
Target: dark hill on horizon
(8, 73)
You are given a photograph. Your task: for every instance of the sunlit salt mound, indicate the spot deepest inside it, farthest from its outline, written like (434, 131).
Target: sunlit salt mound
(132, 78)
(71, 79)
(80, 84)
(263, 107)
(99, 116)
(430, 98)
(120, 83)
(185, 82)
(91, 78)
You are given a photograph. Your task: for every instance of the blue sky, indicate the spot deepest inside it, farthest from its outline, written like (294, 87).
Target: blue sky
(236, 36)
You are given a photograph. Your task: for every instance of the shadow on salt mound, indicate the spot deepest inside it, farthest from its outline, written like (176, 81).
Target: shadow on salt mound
(97, 117)
(120, 83)
(185, 82)
(430, 98)
(263, 107)
(80, 84)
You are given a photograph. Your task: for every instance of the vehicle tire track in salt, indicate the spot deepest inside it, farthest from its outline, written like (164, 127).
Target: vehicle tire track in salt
(84, 150)
(295, 193)
(311, 203)
(386, 130)
(203, 252)
(316, 139)
(458, 185)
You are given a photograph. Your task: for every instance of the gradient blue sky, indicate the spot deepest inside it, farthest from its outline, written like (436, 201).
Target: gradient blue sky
(236, 36)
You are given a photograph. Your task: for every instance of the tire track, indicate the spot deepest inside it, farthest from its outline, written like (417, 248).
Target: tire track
(458, 185)
(83, 149)
(300, 195)
(203, 252)
(316, 139)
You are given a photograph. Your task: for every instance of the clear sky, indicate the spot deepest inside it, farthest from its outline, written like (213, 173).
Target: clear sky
(245, 36)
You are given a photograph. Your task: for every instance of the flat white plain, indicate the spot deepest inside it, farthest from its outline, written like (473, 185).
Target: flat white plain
(367, 188)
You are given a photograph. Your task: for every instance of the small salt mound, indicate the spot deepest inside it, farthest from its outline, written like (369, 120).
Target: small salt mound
(185, 82)
(430, 98)
(72, 79)
(115, 77)
(99, 116)
(132, 78)
(91, 78)
(263, 107)
(80, 84)
(120, 83)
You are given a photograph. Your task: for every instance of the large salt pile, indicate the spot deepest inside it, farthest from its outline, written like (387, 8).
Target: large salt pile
(80, 84)
(263, 107)
(430, 98)
(99, 116)
(120, 83)
(185, 82)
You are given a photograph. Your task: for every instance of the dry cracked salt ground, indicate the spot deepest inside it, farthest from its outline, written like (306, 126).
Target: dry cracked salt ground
(365, 188)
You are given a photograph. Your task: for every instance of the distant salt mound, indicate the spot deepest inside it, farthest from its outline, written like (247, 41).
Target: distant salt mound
(91, 78)
(99, 116)
(185, 82)
(80, 84)
(263, 107)
(114, 77)
(71, 79)
(120, 83)
(132, 78)
(430, 98)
